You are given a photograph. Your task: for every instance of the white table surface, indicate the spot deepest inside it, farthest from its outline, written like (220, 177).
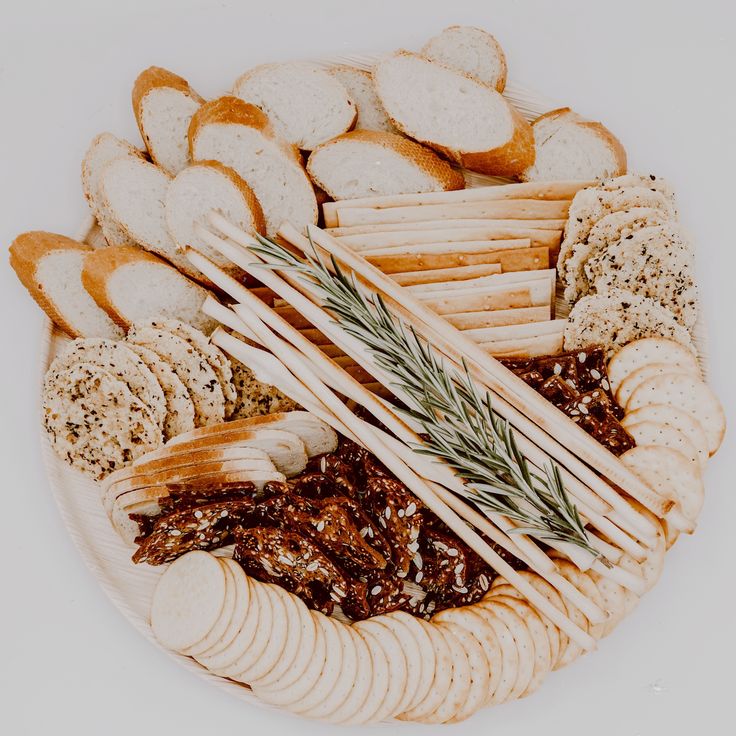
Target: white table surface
(660, 74)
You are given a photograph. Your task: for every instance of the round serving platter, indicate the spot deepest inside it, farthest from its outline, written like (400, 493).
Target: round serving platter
(129, 586)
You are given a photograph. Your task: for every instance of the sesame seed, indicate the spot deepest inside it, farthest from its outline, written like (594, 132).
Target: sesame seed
(197, 514)
(411, 508)
(418, 577)
(459, 568)
(320, 526)
(387, 512)
(376, 589)
(175, 533)
(452, 552)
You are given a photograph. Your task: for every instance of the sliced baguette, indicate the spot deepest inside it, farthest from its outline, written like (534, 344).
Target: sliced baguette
(306, 104)
(134, 192)
(462, 118)
(50, 267)
(131, 285)
(201, 188)
(163, 104)
(366, 162)
(570, 147)
(105, 148)
(471, 50)
(240, 136)
(359, 86)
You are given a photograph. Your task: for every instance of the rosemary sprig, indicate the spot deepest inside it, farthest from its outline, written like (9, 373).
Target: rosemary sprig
(460, 424)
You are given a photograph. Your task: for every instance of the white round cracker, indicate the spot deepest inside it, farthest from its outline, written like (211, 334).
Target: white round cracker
(574, 575)
(664, 435)
(339, 646)
(644, 373)
(649, 350)
(210, 352)
(179, 406)
(214, 636)
(383, 635)
(193, 370)
(667, 470)
(690, 394)
(441, 680)
(373, 707)
(359, 683)
(420, 630)
(94, 422)
(614, 597)
(674, 417)
(188, 600)
(631, 599)
(118, 359)
(276, 640)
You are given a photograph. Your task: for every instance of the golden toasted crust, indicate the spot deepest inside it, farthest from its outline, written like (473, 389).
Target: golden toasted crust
(250, 198)
(418, 154)
(100, 264)
(154, 77)
(25, 253)
(234, 111)
(510, 159)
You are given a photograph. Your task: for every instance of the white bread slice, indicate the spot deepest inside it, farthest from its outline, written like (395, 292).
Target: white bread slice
(462, 118)
(240, 136)
(132, 285)
(201, 188)
(471, 50)
(305, 103)
(570, 147)
(103, 149)
(363, 163)
(163, 104)
(359, 85)
(134, 192)
(50, 267)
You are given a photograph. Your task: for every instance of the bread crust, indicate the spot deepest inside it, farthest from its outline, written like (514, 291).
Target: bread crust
(509, 159)
(421, 156)
(26, 251)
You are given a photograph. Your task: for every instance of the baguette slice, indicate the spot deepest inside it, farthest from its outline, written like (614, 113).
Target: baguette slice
(305, 103)
(201, 188)
(163, 104)
(131, 285)
(471, 50)
(462, 118)
(105, 148)
(570, 147)
(364, 163)
(50, 267)
(134, 192)
(359, 85)
(240, 136)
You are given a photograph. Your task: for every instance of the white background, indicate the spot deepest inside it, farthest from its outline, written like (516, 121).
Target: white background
(659, 74)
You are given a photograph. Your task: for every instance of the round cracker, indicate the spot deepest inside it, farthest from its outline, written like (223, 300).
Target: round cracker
(649, 350)
(631, 599)
(210, 352)
(188, 600)
(666, 471)
(688, 393)
(385, 636)
(664, 435)
(645, 372)
(374, 706)
(585, 585)
(119, 360)
(94, 422)
(278, 635)
(193, 370)
(441, 679)
(179, 407)
(214, 636)
(302, 634)
(614, 597)
(673, 417)
(358, 682)
(302, 686)
(420, 630)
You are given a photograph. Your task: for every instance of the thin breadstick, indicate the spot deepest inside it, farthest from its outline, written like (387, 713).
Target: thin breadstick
(547, 275)
(447, 228)
(527, 347)
(493, 238)
(516, 332)
(528, 190)
(498, 298)
(456, 275)
(468, 321)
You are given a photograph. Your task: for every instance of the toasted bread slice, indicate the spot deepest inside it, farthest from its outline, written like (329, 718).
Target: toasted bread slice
(163, 104)
(359, 85)
(462, 118)
(570, 147)
(365, 162)
(240, 136)
(131, 285)
(471, 50)
(50, 267)
(103, 149)
(305, 103)
(201, 188)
